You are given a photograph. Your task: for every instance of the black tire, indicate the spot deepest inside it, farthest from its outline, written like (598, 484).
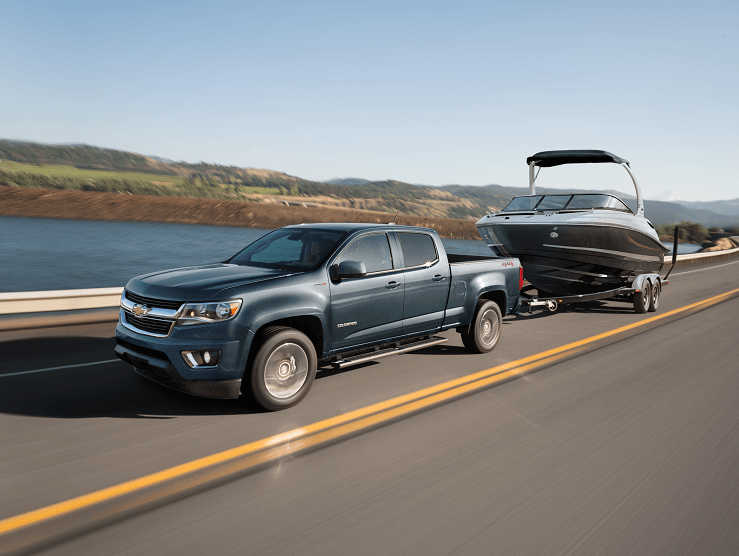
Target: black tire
(643, 297)
(484, 332)
(283, 369)
(654, 298)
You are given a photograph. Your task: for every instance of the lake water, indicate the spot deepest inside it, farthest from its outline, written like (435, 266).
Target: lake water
(50, 254)
(683, 248)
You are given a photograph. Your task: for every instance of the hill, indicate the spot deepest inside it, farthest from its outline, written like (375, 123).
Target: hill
(88, 168)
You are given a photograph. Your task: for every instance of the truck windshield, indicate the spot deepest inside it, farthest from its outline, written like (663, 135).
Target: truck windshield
(290, 249)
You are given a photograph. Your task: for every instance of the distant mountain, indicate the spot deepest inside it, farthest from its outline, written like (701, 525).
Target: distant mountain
(230, 182)
(730, 207)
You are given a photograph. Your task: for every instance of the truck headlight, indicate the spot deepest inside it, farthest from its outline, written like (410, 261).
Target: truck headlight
(201, 313)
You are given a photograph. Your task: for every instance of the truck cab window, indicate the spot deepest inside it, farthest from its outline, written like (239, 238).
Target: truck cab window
(373, 250)
(418, 249)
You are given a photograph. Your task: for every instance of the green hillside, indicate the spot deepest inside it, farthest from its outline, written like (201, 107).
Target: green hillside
(82, 167)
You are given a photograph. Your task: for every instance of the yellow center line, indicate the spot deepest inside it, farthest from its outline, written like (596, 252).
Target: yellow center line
(322, 431)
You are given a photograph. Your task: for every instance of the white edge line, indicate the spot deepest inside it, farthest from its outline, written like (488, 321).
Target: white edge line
(703, 269)
(3, 375)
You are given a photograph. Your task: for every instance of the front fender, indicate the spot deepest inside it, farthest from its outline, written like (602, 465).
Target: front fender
(305, 295)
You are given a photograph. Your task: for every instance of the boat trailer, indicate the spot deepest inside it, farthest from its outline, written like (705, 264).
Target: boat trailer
(643, 292)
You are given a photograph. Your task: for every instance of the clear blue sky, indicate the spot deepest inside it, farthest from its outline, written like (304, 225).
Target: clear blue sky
(424, 92)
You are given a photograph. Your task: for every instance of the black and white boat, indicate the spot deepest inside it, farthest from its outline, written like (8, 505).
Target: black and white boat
(575, 243)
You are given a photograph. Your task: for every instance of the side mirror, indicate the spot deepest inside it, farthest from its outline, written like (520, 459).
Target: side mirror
(348, 269)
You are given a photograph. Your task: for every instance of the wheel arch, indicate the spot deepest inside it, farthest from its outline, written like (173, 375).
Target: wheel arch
(310, 325)
(497, 295)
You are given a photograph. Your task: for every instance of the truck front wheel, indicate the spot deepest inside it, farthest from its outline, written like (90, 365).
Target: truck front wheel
(283, 369)
(484, 332)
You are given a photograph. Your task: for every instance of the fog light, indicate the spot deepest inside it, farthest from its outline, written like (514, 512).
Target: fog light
(203, 358)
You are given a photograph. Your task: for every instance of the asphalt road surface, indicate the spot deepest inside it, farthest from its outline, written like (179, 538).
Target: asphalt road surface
(630, 448)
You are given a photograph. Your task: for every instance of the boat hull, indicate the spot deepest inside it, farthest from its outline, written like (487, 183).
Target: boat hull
(576, 254)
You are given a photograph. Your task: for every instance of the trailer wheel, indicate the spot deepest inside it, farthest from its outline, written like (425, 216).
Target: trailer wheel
(484, 332)
(654, 299)
(283, 369)
(642, 298)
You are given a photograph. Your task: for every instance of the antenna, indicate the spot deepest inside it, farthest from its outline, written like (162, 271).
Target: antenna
(394, 218)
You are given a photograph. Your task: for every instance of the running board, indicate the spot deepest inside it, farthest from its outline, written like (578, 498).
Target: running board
(403, 348)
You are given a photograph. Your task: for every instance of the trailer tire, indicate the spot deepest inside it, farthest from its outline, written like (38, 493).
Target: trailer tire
(484, 332)
(642, 298)
(654, 298)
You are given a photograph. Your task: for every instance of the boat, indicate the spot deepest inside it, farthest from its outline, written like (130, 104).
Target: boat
(575, 243)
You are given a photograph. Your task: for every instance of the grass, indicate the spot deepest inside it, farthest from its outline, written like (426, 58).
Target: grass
(62, 170)
(61, 176)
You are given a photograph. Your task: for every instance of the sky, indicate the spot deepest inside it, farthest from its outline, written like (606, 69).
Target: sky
(423, 92)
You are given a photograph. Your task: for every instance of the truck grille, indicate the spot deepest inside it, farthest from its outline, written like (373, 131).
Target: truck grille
(151, 302)
(151, 325)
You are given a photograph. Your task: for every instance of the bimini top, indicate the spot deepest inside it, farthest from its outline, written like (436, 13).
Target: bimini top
(556, 158)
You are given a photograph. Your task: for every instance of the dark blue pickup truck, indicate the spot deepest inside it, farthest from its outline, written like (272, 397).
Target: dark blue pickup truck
(259, 323)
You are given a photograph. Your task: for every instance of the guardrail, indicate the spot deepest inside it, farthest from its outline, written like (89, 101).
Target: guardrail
(62, 307)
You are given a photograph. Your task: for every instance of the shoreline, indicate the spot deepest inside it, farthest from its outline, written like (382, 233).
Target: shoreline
(94, 205)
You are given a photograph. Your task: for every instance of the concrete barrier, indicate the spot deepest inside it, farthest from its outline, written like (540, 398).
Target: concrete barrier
(698, 258)
(15, 303)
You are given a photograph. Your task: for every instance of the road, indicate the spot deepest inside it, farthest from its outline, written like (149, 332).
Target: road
(630, 448)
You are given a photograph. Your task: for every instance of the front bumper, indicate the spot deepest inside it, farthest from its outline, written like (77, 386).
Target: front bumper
(160, 360)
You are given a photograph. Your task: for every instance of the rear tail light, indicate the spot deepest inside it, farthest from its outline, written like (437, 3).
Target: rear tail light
(520, 278)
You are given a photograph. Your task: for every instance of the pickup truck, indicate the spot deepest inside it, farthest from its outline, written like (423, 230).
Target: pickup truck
(259, 324)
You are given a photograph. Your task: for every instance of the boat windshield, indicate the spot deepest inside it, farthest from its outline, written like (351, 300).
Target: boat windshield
(578, 201)
(553, 202)
(587, 201)
(523, 203)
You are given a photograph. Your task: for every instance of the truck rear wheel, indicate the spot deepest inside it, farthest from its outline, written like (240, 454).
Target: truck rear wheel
(283, 369)
(484, 332)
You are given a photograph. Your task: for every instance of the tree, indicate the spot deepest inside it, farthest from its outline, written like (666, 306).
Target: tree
(693, 232)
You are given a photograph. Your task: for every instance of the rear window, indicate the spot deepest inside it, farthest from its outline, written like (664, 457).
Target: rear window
(418, 249)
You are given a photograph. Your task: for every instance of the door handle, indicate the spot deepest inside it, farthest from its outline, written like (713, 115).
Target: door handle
(392, 285)
(438, 278)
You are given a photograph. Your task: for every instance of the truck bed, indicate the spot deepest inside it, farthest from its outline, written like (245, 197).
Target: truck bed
(455, 258)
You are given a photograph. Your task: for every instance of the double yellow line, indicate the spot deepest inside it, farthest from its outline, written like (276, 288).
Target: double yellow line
(223, 464)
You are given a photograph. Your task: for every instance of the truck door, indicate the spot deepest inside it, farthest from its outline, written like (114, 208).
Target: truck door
(368, 309)
(426, 283)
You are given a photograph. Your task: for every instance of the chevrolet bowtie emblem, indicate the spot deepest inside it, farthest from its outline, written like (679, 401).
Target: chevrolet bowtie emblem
(140, 310)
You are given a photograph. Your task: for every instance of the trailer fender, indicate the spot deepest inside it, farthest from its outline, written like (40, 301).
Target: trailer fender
(643, 279)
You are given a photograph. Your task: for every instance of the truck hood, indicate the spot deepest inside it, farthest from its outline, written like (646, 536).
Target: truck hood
(198, 283)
